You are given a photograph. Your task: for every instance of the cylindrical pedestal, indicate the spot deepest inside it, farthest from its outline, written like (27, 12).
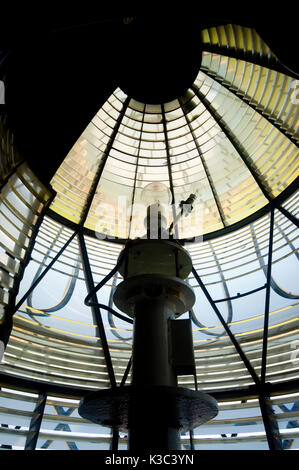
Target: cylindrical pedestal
(154, 293)
(149, 424)
(149, 430)
(151, 362)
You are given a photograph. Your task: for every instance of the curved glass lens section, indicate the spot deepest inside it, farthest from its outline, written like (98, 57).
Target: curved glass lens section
(238, 38)
(231, 140)
(23, 200)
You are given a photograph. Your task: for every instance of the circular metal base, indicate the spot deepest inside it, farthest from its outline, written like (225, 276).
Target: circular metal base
(171, 290)
(155, 256)
(180, 408)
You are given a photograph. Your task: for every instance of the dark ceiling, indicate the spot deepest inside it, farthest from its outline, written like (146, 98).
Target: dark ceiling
(60, 71)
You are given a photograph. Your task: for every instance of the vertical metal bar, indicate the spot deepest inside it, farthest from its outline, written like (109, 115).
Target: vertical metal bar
(191, 435)
(169, 170)
(267, 300)
(270, 423)
(114, 440)
(266, 190)
(101, 167)
(271, 428)
(229, 333)
(5, 331)
(95, 310)
(135, 176)
(35, 422)
(206, 169)
(195, 374)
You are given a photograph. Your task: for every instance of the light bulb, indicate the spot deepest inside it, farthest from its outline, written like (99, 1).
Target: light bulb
(156, 197)
(155, 193)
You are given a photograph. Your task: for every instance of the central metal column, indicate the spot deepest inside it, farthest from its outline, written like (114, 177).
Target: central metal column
(151, 367)
(151, 362)
(154, 294)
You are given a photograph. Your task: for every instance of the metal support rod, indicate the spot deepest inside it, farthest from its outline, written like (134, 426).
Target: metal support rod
(101, 167)
(224, 285)
(191, 436)
(114, 440)
(205, 167)
(169, 170)
(266, 190)
(111, 312)
(125, 376)
(94, 308)
(287, 240)
(5, 331)
(278, 289)
(136, 172)
(69, 289)
(229, 333)
(270, 423)
(42, 275)
(290, 216)
(244, 294)
(35, 422)
(238, 147)
(267, 300)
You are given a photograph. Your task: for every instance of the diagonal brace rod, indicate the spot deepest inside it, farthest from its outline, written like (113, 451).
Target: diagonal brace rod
(267, 301)
(95, 309)
(228, 331)
(37, 281)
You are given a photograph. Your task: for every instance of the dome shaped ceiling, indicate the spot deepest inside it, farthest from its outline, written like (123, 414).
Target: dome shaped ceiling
(230, 138)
